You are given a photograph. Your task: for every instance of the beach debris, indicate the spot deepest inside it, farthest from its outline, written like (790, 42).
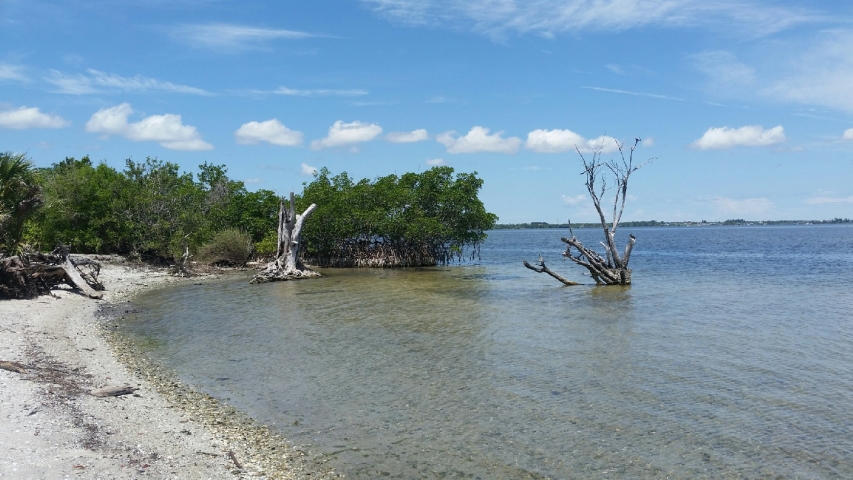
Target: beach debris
(113, 391)
(13, 366)
(32, 274)
(234, 459)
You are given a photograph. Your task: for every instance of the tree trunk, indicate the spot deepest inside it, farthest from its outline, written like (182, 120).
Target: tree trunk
(287, 265)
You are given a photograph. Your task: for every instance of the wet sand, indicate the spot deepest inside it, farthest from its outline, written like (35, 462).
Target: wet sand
(53, 427)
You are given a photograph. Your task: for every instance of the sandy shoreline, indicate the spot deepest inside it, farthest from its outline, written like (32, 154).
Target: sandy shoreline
(52, 427)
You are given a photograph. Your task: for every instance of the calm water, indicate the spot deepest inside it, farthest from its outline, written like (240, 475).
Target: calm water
(731, 356)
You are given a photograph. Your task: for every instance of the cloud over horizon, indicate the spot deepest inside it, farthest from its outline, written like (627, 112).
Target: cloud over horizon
(30, 117)
(749, 136)
(558, 141)
(478, 140)
(347, 134)
(271, 131)
(167, 130)
(407, 137)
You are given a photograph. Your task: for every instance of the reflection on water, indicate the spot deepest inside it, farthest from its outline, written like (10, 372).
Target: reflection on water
(493, 371)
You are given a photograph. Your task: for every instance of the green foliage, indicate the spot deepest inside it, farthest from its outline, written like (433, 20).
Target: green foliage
(20, 198)
(228, 247)
(148, 209)
(416, 219)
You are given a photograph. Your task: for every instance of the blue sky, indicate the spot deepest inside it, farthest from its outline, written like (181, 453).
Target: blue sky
(746, 106)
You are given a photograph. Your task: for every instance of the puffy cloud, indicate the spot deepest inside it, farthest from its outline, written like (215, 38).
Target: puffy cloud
(12, 72)
(434, 162)
(102, 82)
(308, 169)
(270, 131)
(227, 38)
(556, 141)
(168, 130)
(750, 135)
(848, 134)
(407, 137)
(23, 117)
(478, 139)
(341, 134)
(319, 92)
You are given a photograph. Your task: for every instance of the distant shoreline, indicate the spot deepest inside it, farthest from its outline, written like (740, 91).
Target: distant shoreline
(656, 223)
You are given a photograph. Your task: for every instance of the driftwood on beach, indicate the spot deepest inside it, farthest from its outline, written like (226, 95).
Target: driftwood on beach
(32, 274)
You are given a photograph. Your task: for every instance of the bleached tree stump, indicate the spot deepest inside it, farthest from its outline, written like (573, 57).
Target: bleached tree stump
(287, 265)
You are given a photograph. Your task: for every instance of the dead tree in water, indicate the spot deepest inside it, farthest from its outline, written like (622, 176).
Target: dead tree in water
(287, 265)
(612, 268)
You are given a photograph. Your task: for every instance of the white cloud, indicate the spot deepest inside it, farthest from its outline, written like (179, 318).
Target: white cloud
(253, 180)
(168, 130)
(848, 134)
(102, 82)
(478, 139)
(576, 200)
(341, 134)
(319, 92)
(750, 135)
(557, 141)
(227, 38)
(270, 131)
(308, 169)
(723, 69)
(434, 162)
(495, 18)
(828, 200)
(741, 207)
(23, 118)
(407, 137)
(12, 72)
(818, 73)
(615, 69)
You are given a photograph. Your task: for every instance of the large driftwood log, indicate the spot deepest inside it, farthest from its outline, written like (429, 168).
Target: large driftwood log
(287, 265)
(30, 275)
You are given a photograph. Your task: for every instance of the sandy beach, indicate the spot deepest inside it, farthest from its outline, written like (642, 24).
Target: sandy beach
(54, 427)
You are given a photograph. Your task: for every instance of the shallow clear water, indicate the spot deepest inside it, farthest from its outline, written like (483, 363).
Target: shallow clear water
(730, 356)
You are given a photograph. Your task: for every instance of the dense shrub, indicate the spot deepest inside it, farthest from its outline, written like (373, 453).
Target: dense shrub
(416, 219)
(149, 210)
(228, 247)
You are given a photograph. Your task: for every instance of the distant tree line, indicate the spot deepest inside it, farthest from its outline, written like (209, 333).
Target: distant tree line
(656, 223)
(152, 210)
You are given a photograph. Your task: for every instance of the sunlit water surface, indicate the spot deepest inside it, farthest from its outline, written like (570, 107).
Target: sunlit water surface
(730, 356)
